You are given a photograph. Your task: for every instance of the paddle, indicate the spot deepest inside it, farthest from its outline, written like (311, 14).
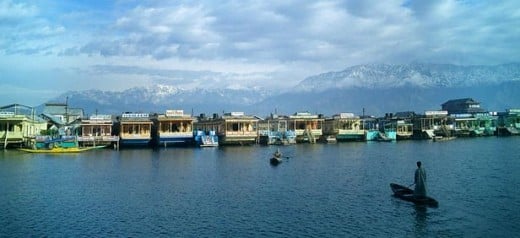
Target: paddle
(410, 185)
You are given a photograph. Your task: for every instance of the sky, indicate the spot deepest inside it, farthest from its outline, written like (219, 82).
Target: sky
(48, 47)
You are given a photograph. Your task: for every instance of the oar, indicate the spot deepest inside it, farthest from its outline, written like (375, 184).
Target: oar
(410, 185)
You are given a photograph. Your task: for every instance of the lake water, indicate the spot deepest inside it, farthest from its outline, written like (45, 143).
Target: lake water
(322, 190)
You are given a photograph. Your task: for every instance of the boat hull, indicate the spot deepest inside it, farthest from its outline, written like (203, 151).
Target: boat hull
(406, 194)
(275, 161)
(135, 142)
(60, 150)
(176, 141)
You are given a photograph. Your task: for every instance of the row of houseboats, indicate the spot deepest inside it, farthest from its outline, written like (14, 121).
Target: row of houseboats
(68, 129)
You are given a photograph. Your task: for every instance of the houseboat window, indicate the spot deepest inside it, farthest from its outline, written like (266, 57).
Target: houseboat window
(233, 127)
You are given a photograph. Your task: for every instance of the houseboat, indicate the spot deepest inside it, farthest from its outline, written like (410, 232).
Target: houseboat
(462, 106)
(135, 129)
(233, 128)
(480, 124)
(487, 123)
(508, 122)
(273, 131)
(97, 131)
(307, 127)
(432, 124)
(469, 119)
(403, 124)
(387, 130)
(173, 128)
(19, 125)
(370, 127)
(344, 127)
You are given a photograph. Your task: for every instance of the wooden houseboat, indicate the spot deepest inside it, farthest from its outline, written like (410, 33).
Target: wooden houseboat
(481, 124)
(344, 127)
(387, 130)
(370, 128)
(233, 128)
(273, 131)
(403, 124)
(173, 128)
(19, 125)
(135, 129)
(433, 124)
(97, 131)
(508, 122)
(307, 127)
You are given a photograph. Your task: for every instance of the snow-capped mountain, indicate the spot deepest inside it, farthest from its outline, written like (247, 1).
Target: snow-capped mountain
(416, 75)
(158, 98)
(378, 88)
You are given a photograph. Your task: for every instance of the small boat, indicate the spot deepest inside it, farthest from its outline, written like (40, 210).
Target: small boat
(63, 144)
(443, 138)
(61, 149)
(204, 139)
(406, 194)
(277, 158)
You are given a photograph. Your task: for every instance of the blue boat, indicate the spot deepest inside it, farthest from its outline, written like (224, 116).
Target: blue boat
(204, 139)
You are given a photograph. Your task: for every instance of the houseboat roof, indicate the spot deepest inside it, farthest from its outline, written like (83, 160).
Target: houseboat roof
(135, 117)
(460, 100)
(97, 119)
(62, 109)
(404, 115)
(15, 105)
(304, 115)
(462, 106)
(174, 114)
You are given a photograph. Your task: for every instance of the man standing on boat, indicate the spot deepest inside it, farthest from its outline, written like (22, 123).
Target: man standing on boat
(420, 181)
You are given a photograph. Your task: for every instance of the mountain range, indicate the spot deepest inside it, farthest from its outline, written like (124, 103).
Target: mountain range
(372, 89)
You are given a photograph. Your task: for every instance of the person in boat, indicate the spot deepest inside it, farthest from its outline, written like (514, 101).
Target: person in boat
(277, 154)
(420, 181)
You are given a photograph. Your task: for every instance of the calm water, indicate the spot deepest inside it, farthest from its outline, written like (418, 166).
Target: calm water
(336, 190)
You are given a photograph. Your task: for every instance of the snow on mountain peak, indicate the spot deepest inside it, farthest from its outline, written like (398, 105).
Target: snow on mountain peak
(418, 75)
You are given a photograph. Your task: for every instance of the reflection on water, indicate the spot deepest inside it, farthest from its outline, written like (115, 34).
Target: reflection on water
(421, 216)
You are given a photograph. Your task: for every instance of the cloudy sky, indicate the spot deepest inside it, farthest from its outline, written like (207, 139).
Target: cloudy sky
(48, 47)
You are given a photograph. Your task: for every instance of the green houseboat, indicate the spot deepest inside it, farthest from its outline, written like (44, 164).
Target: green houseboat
(19, 125)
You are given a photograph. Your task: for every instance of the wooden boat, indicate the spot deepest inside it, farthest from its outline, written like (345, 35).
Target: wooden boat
(406, 194)
(61, 149)
(443, 138)
(276, 159)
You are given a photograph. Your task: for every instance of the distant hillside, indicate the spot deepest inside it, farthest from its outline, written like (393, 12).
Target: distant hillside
(376, 88)
(159, 98)
(382, 100)
(382, 76)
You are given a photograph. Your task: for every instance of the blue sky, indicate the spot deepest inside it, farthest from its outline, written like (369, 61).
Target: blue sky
(48, 47)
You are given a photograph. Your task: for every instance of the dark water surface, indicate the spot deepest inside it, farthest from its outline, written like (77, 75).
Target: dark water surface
(336, 190)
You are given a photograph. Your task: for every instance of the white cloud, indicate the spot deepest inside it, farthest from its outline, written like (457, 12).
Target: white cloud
(243, 43)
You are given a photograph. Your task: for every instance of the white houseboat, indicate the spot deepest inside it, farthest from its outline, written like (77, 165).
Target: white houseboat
(231, 128)
(17, 128)
(344, 127)
(273, 131)
(173, 128)
(97, 131)
(308, 127)
(135, 129)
